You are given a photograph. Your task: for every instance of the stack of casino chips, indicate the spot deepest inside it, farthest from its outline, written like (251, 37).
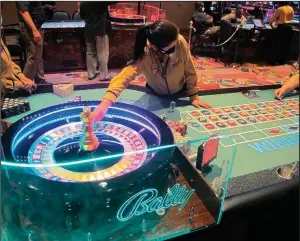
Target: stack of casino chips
(179, 130)
(177, 126)
(13, 107)
(76, 99)
(63, 90)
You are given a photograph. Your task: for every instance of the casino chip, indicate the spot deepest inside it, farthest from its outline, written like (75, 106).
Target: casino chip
(279, 116)
(271, 117)
(252, 120)
(202, 119)
(233, 115)
(251, 112)
(221, 124)
(286, 107)
(295, 112)
(205, 112)
(244, 114)
(12, 107)
(209, 126)
(231, 123)
(261, 118)
(241, 121)
(213, 118)
(261, 105)
(226, 110)
(216, 111)
(244, 107)
(270, 110)
(195, 113)
(235, 108)
(262, 112)
(223, 117)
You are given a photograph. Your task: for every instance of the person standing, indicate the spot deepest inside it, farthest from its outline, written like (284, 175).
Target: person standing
(97, 27)
(283, 17)
(31, 17)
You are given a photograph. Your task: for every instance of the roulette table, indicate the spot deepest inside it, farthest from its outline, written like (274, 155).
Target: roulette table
(263, 131)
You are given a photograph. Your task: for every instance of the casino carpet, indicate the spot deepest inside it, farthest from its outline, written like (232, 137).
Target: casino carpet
(211, 75)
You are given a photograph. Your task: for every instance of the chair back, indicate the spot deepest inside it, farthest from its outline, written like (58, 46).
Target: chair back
(201, 26)
(225, 30)
(61, 16)
(76, 16)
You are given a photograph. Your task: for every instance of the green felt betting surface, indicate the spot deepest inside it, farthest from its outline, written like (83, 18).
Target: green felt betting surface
(266, 131)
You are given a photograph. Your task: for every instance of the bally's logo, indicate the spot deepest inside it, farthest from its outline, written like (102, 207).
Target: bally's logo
(148, 201)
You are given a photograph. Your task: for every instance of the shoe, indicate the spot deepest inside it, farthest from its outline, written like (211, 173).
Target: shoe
(91, 78)
(40, 81)
(104, 76)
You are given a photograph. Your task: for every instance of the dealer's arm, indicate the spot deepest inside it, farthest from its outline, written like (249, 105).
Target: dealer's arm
(291, 84)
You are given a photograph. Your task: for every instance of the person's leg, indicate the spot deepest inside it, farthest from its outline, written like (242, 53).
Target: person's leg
(40, 69)
(34, 53)
(91, 57)
(103, 55)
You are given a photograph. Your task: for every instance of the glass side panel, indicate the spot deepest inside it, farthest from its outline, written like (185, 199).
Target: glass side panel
(138, 195)
(127, 177)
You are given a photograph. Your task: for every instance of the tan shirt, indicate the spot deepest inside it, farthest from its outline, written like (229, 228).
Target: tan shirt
(284, 14)
(232, 16)
(180, 70)
(10, 72)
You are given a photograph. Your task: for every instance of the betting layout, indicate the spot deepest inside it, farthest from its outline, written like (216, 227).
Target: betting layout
(247, 122)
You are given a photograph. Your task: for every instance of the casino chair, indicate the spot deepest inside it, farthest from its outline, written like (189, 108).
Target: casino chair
(61, 16)
(15, 44)
(76, 16)
(198, 37)
(231, 47)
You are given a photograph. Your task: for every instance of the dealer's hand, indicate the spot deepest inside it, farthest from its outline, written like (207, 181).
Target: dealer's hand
(279, 93)
(101, 110)
(195, 101)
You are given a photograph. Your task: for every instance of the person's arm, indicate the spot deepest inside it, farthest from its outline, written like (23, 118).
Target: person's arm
(120, 82)
(243, 20)
(23, 8)
(228, 17)
(291, 84)
(16, 70)
(115, 88)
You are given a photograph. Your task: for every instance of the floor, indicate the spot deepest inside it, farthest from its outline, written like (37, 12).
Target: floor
(211, 75)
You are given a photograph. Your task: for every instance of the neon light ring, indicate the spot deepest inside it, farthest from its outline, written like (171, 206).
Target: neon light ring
(62, 188)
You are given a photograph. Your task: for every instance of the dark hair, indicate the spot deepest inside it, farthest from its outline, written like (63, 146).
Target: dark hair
(160, 34)
(238, 11)
(199, 5)
(227, 10)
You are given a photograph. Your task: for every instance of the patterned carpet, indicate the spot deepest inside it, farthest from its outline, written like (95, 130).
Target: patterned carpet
(211, 75)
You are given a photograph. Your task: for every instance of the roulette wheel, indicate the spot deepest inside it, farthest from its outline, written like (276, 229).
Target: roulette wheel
(63, 189)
